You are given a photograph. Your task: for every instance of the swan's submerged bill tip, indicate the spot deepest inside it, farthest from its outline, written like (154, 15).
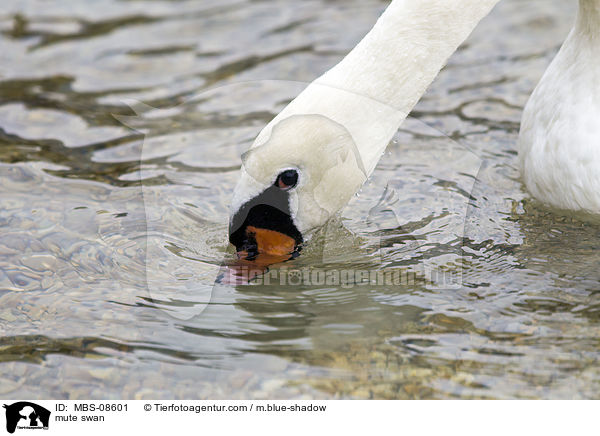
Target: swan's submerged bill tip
(263, 230)
(264, 247)
(272, 242)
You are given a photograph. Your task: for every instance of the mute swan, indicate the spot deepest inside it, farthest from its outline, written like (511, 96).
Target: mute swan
(559, 142)
(308, 162)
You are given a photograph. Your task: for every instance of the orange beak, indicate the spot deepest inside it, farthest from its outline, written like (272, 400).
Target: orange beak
(272, 246)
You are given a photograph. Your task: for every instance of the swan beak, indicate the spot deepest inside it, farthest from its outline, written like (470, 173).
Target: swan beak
(263, 231)
(265, 247)
(261, 248)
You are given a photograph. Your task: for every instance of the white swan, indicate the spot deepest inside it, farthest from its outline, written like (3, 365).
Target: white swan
(314, 156)
(559, 143)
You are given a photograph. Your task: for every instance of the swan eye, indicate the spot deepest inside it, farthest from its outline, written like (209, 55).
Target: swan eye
(287, 180)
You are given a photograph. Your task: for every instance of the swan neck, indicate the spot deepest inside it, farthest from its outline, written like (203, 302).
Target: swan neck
(410, 43)
(588, 17)
(372, 90)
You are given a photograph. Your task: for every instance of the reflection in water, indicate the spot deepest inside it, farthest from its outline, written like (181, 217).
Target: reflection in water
(113, 216)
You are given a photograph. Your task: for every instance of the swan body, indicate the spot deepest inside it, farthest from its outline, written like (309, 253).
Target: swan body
(559, 142)
(333, 134)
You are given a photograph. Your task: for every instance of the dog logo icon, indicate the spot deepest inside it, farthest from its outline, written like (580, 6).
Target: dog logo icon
(26, 415)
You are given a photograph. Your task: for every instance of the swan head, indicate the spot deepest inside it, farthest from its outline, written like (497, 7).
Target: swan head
(300, 171)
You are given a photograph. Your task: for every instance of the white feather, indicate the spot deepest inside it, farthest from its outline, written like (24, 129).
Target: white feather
(559, 143)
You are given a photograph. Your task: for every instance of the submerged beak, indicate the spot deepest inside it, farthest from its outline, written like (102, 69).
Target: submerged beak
(260, 249)
(265, 247)
(263, 231)
(271, 242)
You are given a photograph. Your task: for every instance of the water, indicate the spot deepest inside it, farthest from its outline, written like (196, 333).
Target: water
(113, 215)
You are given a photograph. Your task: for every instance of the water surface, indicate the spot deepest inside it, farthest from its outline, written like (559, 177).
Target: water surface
(121, 129)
